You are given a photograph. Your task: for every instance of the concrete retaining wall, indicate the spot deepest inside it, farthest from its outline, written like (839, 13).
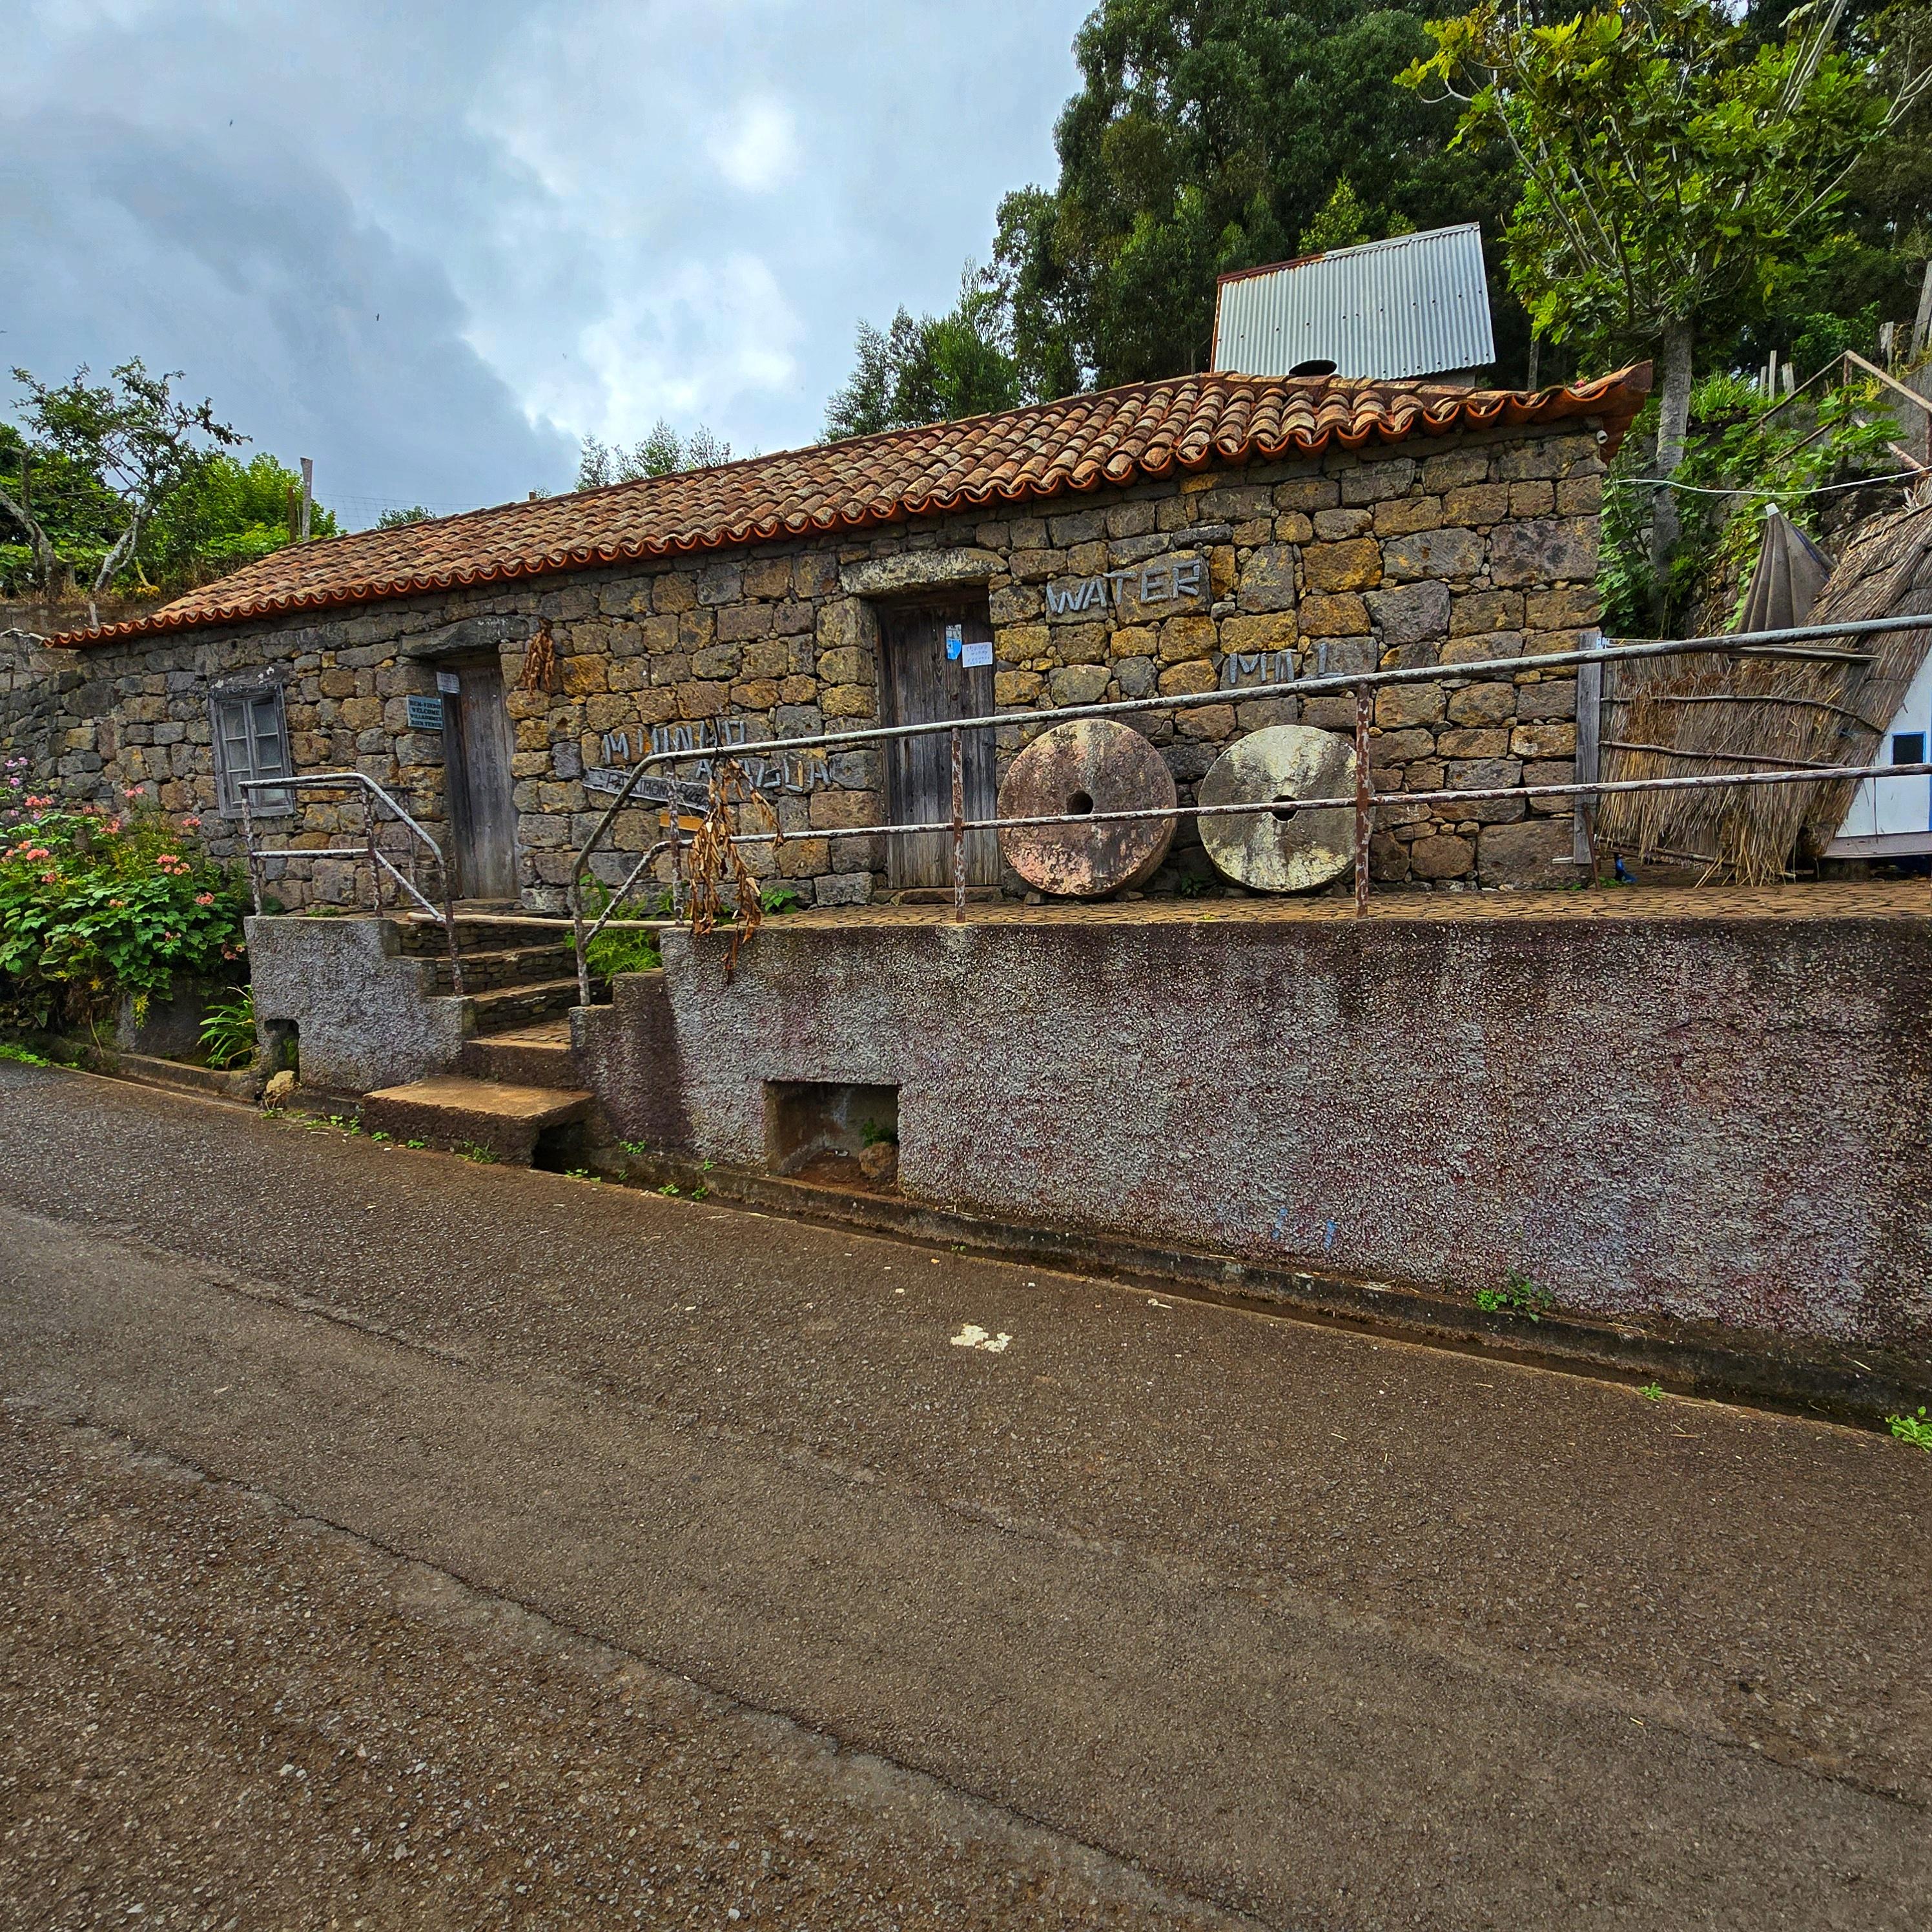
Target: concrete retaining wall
(363, 1010)
(1719, 1118)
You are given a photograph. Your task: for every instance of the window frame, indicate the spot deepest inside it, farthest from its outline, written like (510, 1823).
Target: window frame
(264, 724)
(1915, 740)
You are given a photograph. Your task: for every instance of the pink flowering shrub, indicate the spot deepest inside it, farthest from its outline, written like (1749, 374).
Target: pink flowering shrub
(93, 905)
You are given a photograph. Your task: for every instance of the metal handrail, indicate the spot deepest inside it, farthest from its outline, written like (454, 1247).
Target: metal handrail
(1748, 644)
(379, 862)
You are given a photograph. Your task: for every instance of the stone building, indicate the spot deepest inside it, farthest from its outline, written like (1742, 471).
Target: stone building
(500, 670)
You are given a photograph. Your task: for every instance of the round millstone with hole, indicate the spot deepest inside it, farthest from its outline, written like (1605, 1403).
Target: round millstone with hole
(1284, 849)
(1092, 765)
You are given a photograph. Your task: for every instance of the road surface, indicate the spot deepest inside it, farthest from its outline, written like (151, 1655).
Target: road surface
(390, 1540)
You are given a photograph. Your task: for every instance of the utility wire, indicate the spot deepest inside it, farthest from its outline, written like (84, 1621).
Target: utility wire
(1818, 489)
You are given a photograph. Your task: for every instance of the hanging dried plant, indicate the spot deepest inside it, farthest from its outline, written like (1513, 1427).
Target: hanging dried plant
(539, 670)
(714, 858)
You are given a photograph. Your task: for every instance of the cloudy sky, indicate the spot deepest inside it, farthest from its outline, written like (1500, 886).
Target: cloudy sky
(432, 244)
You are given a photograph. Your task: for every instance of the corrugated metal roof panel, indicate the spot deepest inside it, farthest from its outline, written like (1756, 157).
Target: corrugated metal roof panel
(1415, 305)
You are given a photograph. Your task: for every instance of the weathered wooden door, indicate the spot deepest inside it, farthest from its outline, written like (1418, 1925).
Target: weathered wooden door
(922, 681)
(482, 814)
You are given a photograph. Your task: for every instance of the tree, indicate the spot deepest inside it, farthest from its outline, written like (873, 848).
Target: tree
(1670, 169)
(660, 454)
(937, 369)
(139, 442)
(397, 520)
(230, 513)
(1212, 135)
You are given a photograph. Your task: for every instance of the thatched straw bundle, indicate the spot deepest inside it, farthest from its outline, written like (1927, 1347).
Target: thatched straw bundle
(1678, 717)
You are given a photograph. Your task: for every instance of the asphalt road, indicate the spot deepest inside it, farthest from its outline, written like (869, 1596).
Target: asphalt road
(389, 1540)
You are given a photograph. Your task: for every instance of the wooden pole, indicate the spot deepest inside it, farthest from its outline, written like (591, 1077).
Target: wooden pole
(308, 494)
(958, 830)
(1364, 804)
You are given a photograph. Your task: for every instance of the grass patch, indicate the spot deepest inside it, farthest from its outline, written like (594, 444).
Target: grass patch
(1518, 1295)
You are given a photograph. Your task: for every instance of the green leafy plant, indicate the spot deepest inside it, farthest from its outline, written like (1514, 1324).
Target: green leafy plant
(1916, 1430)
(1193, 885)
(581, 1174)
(8, 1051)
(417, 1146)
(228, 1030)
(1651, 1391)
(1518, 1295)
(780, 899)
(616, 949)
(474, 1151)
(635, 1147)
(94, 904)
(873, 1133)
(669, 1187)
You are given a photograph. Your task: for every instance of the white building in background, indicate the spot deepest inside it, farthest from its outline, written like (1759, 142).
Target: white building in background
(1891, 818)
(1415, 305)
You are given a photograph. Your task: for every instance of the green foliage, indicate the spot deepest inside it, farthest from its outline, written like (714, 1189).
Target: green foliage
(1916, 1430)
(1651, 1391)
(937, 369)
(780, 899)
(8, 1051)
(1214, 136)
(875, 1133)
(397, 520)
(474, 1151)
(1342, 222)
(230, 513)
(93, 906)
(228, 1030)
(1518, 1295)
(1669, 165)
(662, 453)
(1734, 443)
(123, 481)
(616, 949)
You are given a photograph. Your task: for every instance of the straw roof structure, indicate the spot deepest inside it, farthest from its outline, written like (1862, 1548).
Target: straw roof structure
(1682, 717)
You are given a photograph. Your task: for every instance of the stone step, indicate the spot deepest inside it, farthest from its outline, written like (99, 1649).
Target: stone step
(486, 970)
(423, 936)
(488, 1117)
(531, 1056)
(505, 1008)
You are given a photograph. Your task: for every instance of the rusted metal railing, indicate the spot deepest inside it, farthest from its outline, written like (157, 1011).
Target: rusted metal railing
(1799, 642)
(378, 861)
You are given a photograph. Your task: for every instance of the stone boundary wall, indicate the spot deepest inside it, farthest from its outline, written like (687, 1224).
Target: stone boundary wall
(38, 692)
(1717, 1119)
(1437, 551)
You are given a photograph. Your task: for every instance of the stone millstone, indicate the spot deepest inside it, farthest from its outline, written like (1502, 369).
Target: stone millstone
(1283, 850)
(1092, 765)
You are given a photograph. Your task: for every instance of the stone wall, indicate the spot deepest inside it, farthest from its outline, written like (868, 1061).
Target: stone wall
(1444, 552)
(1717, 1118)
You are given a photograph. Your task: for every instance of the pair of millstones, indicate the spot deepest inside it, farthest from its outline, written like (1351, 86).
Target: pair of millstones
(1096, 766)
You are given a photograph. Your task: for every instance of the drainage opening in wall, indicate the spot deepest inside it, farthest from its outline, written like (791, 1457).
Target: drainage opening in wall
(280, 1044)
(835, 1132)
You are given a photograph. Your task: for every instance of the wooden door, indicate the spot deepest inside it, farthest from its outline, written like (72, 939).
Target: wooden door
(482, 815)
(921, 683)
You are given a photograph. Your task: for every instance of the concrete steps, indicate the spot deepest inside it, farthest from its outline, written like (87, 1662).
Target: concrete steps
(531, 1056)
(493, 1119)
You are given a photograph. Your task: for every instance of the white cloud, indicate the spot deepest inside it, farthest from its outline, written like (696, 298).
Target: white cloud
(573, 216)
(757, 148)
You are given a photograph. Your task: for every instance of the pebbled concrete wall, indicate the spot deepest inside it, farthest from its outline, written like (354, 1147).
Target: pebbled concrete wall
(1710, 1118)
(365, 1015)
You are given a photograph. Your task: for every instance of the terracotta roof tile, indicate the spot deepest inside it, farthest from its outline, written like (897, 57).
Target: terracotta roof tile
(1081, 443)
